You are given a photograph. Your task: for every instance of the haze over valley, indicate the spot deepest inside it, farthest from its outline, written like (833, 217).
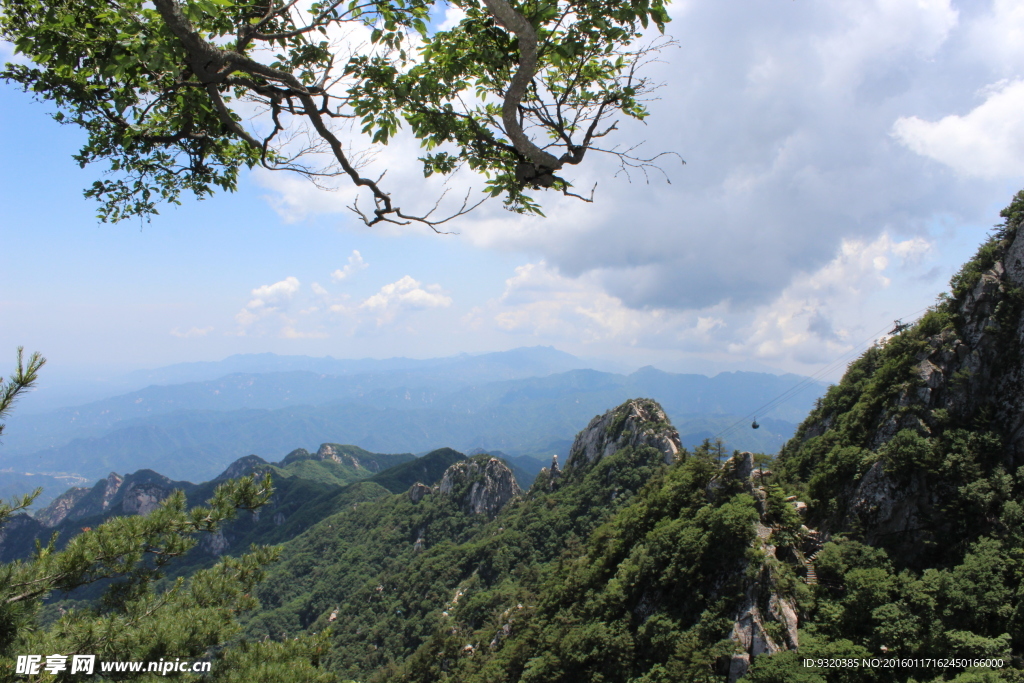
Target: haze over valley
(195, 419)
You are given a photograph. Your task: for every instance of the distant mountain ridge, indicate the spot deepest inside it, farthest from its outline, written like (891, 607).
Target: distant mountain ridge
(194, 430)
(270, 381)
(519, 362)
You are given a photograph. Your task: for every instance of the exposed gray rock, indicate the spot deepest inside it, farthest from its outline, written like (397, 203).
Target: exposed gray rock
(111, 485)
(216, 543)
(417, 491)
(740, 468)
(329, 451)
(242, 467)
(555, 473)
(143, 498)
(975, 369)
(483, 485)
(638, 422)
(54, 513)
(763, 601)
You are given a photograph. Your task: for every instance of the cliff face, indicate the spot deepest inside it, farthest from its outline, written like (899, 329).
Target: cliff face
(892, 452)
(55, 513)
(78, 503)
(766, 620)
(635, 423)
(481, 485)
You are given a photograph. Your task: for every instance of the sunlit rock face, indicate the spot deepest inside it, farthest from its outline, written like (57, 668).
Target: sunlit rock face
(639, 422)
(482, 485)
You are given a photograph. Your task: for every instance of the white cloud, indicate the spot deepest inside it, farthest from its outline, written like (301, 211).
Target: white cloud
(784, 114)
(277, 294)
(404, 294)
(354, 265)
(816, 317)
(452, 16)
(268, 299)
(987, 142)
(997, 37)
(289, 332)
(541, 302)
(191, 332)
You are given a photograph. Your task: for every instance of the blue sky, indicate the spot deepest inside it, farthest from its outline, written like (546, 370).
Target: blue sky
(842, 161)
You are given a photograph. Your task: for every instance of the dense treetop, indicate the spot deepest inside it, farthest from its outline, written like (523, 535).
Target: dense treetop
(180, 96)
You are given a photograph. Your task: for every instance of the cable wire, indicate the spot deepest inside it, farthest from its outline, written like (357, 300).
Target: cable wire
(797, 388)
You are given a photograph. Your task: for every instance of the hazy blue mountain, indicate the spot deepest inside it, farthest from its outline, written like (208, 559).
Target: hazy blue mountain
(13, 484)
(520, 417)
(520, 362)
(271, 381)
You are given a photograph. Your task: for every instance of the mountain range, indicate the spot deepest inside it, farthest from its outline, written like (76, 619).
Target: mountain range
(521, 402)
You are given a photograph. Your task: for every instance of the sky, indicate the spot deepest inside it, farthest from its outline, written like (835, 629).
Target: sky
(842, 160)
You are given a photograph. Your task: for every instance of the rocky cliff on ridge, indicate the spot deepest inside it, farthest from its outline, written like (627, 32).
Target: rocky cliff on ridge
(891, 452)
(482, 485)
(635, 423)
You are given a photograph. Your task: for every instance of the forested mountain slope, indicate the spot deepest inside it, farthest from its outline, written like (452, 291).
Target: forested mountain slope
(308, 487)
(629, 564)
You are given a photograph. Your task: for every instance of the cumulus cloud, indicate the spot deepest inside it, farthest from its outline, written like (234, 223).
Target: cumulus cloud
(540, 301)
(404, 294)
(987, 142)
(813, 320)
(354, 265)
(191, 332)
(452, 16)
(786, 128)
(289, 332)
(817, 142)
(805, 322)
(268, 299)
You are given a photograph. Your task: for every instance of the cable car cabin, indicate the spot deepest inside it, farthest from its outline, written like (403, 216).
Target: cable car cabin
(754, 425)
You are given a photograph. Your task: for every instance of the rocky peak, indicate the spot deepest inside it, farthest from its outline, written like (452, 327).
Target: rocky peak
(876, 449)
(111, 485)
(143, 492)
(330, 451)
(481, 485)
(297, 454)
(638, 422)
(143, 497)
(242, 467)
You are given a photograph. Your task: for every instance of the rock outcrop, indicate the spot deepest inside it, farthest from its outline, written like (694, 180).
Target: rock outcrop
(141, 498)
(88, 503)
(482, 485)
(349, 456)
(417, 491)
(638, 422)
(763, 602)
(58, 509)
(242, 467)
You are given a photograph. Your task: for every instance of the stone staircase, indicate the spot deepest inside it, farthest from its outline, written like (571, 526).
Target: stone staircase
(812, 576)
